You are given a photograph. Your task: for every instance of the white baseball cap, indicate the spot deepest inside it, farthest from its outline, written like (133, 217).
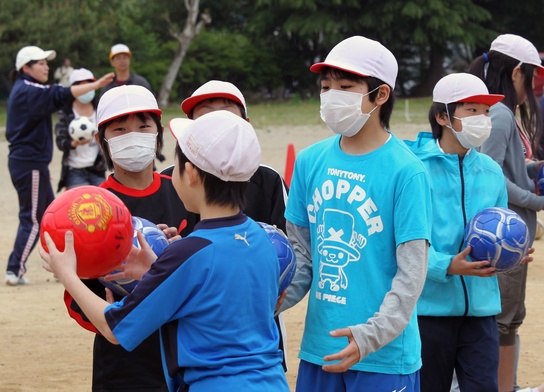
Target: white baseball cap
(463, 87)
(213, 89)
(518, 48)
(123, 100)
(220, 143)
(119, 48)
(32, 53)
(364, 57)
(80, 75)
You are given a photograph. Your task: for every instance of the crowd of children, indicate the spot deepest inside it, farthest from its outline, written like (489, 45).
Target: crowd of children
(377, 224)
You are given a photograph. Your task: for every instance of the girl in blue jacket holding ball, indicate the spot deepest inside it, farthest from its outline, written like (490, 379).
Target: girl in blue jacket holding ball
(457, 308)
(508, 68)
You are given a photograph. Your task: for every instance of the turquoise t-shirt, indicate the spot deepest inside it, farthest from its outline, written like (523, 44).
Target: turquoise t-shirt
(358, 208)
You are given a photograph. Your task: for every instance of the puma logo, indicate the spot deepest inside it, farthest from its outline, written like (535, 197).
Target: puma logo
(240, 238)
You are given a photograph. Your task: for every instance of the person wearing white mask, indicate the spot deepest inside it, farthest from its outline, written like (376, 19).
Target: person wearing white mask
(359, 213)
(509, 68)
(82, 161)
(460, 299)
(130, 134)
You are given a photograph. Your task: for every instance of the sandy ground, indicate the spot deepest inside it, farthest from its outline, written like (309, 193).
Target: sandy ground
(41, 348)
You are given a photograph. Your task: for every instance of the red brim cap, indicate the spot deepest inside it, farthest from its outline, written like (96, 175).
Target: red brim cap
(486, 99)
(188, 105)
(318, 67)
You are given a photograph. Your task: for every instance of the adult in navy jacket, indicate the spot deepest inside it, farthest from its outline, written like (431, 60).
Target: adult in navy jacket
(29, 131)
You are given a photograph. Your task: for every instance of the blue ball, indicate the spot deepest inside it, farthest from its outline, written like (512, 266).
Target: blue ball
(156, 240)
(540, 180)
(285, 253)
(497, 235)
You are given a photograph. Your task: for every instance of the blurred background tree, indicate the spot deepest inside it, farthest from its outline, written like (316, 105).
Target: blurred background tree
(263, 46)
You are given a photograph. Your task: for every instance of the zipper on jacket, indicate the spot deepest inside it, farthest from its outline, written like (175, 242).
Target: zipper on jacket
(465, 223)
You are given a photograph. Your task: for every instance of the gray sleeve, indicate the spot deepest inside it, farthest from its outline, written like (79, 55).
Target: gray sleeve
(503, 141)
(399, 303)
(300, 238)
(523, 198)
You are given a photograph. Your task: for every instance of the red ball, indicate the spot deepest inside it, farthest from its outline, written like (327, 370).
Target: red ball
(102, 227)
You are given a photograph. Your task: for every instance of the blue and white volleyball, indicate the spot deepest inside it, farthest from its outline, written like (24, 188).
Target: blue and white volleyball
(157, 241)
(498, 235)
(285, 253)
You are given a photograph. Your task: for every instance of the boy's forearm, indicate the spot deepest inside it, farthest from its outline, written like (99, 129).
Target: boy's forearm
(399, 303)
(300, 238)
(92, 305)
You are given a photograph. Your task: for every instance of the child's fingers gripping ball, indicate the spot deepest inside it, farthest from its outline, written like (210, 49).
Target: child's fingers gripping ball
(155, 238)
(285, 253)
(498, 235)
(101, 225)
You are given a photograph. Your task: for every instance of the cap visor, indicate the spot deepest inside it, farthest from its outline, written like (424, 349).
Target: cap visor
(318, 67)
(50, 54)
(133, 111)
(178, 126)
(189, 104)
(486, 99)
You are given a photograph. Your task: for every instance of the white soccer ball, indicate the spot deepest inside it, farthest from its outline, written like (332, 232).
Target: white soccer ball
(82, 129)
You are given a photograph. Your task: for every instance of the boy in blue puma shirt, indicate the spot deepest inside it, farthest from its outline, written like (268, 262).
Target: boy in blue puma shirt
(218, 327)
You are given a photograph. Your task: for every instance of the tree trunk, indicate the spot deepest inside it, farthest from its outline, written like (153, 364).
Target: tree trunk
(434, 73)
(190, 31)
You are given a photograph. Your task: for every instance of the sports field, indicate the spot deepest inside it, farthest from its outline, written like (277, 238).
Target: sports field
(42, 349)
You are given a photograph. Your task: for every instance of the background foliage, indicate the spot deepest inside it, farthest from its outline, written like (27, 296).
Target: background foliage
(264, 46)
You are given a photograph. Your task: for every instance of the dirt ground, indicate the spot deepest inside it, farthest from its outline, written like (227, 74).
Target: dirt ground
(42, 349)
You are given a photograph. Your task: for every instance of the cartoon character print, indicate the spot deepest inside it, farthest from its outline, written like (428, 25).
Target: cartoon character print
(338, 245)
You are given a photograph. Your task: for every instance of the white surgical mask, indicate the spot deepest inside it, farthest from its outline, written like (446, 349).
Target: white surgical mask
(133, 151)
(341, 111)
(475, 130)
(87, 97)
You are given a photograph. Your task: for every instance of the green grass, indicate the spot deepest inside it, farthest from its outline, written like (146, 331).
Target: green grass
(294, 113)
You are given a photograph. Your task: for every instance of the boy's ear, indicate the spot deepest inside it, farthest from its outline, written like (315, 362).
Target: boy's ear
(192, 173)
(383, 94)
(441, 119)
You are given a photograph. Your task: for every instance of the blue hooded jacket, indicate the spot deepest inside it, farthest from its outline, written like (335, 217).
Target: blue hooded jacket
(460, 187)
(29, 127)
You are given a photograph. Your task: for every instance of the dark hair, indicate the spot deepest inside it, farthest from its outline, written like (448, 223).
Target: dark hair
(495, 69)
(218, 192)
(440, 108)
(386, 110)
(14, 74)
(215, 99)
(142, 116)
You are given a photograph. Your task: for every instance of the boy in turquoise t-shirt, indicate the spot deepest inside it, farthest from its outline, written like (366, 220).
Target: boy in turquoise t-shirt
(359, 215)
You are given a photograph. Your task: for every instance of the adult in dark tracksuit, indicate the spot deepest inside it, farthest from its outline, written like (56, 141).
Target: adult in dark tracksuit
(29, 131)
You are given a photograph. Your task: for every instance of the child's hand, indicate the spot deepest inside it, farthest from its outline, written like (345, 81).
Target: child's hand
(109, 296)
(281, 298)
(59, 263)
(461, 266)
(139, 260)
(527, 258)
(171, 233)
(348, 357)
